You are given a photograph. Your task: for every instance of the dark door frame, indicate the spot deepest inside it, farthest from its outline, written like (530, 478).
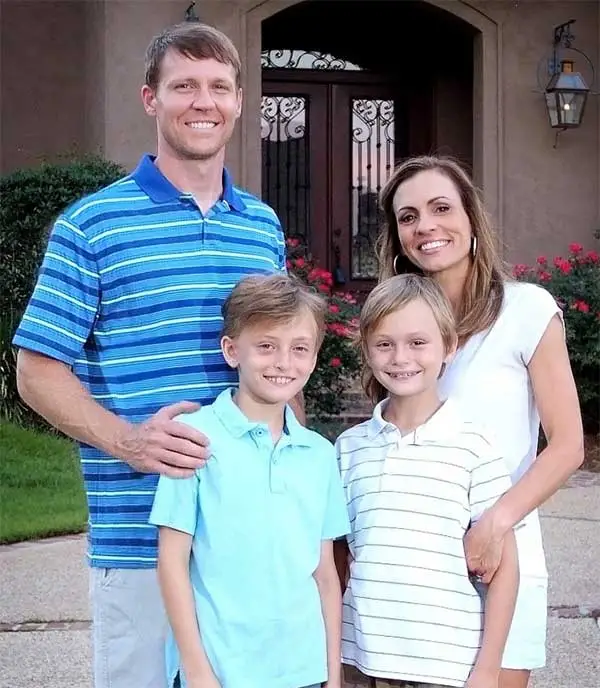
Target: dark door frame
(330, 93)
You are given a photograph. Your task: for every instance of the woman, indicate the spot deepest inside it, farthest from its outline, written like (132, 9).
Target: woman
(511, 370)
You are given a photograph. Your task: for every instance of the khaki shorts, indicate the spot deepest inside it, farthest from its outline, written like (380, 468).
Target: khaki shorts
(129, 629)
(353, 678)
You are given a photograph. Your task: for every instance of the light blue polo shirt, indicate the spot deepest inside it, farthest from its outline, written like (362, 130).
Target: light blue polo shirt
(258, 514)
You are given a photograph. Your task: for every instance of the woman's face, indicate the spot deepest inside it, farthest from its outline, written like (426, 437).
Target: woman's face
(433, 227)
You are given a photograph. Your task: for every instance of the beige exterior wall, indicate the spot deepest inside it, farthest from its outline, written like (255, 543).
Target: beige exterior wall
(72, 70)
(550, 196)
(42, 84)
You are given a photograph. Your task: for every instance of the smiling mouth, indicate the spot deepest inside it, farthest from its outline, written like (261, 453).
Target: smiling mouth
(201, 125)
(430, 246)
(404, 376)
(279, 380)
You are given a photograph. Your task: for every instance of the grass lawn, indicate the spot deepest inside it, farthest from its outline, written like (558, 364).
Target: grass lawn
(41, 490)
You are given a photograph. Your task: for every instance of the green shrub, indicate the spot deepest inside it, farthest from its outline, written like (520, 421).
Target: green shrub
(31, 201)
(338, 363)
(575, 284)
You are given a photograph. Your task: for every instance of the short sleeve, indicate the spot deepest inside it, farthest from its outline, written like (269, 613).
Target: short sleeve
(62, 309)
(176, 503)
(536, 308)
(341, 469)
(335, 522)
(281, 252)
(489, 481)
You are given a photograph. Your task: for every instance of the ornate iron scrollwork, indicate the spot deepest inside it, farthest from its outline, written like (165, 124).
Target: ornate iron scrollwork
(372, 161)
(304, 59)
(282, 117)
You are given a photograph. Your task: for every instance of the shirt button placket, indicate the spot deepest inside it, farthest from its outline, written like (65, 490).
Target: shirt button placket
(277, 480)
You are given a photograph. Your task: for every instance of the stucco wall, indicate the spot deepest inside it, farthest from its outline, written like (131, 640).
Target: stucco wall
(42, 84)
(72, 70)
(550, 196)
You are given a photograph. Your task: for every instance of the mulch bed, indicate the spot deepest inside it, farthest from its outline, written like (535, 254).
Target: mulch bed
(591, 461)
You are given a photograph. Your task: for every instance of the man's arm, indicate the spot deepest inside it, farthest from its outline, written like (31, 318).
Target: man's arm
(174, 548)
(328, 584)
(499, 609)
(160, 445)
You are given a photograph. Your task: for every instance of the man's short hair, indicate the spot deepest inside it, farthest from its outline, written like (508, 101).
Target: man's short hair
(194, 40)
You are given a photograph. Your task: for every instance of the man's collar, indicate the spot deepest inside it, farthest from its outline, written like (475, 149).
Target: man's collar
(154, 183)
(236, 423)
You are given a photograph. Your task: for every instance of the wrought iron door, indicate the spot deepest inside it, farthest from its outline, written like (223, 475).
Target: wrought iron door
(328, 148)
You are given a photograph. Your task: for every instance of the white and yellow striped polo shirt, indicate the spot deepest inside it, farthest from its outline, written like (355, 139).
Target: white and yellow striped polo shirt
(410, 610)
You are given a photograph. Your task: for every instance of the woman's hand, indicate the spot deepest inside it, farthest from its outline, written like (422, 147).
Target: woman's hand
(483, 544)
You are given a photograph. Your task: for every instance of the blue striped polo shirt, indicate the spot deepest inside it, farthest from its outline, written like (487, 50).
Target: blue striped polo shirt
(129, 294)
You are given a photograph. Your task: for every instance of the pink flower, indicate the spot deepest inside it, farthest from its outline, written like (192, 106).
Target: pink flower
(320, 275)
(544, 276)
(581, 306)
(542, 260)
(520, 270)
(338, 329)
(575, 248)
(592, 256)
(299, 262)
(334, 308)
(293, 243)
(565, 267)
(324, 288)
(335, 362)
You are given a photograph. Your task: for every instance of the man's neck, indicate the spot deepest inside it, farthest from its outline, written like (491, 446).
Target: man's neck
(203, 179)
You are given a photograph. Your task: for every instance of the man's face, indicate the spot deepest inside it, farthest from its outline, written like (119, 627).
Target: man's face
(196, 105)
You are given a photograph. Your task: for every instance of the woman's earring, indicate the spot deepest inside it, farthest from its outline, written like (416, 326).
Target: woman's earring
(442, 370)
(395, 265)
(474, 246)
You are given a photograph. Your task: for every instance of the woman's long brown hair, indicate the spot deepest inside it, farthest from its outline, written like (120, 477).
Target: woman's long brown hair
(484, 289)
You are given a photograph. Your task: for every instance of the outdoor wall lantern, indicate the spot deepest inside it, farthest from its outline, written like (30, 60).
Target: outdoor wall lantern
(566, 92)
(190, 13)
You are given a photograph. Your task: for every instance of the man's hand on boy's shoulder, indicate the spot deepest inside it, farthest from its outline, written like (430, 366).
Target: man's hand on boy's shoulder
(164, 445)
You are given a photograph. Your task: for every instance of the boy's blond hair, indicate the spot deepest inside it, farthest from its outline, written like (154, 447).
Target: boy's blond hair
(273, 299)
(390, 296)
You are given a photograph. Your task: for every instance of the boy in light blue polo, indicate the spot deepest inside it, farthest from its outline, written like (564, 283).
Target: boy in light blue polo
(245, 561)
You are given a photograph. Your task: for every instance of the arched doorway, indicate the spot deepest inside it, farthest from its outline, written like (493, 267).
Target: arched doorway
(339, 107)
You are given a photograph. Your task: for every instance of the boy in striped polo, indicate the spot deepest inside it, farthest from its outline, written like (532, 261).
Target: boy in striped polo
(245, 561)
(416, 475)
(124, 324)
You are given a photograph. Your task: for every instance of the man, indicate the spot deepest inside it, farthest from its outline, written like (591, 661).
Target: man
(124, 323)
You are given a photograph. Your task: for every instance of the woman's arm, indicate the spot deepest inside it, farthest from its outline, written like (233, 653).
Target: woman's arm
(174, 548)
(328, 583)
(558, 405)
(499, 609)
